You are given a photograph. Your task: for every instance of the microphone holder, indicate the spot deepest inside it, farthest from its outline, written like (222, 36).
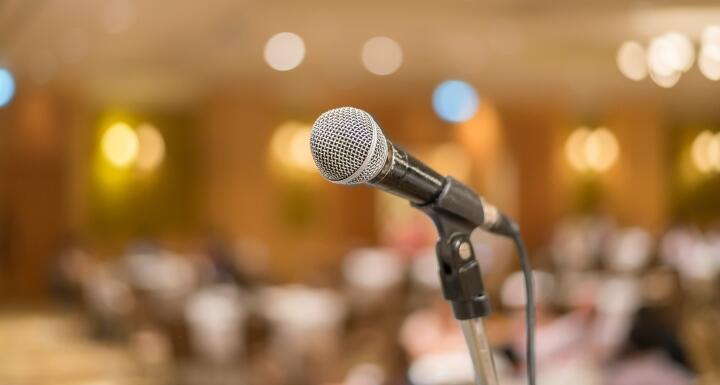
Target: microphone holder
(456, 212)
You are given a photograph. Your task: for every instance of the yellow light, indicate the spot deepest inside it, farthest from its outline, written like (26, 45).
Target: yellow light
(151, 151)
(705, 152)
(588, 150)
(714, 151)
(290, 146)
(601, 149)
(575, 149)
(299, 149)
(120, 145)
(699, 151)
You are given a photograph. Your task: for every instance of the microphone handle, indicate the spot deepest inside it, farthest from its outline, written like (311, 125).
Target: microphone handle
(405, 176)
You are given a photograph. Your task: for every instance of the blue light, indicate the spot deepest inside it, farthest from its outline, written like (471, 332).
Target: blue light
(7, 87)
(455, 101)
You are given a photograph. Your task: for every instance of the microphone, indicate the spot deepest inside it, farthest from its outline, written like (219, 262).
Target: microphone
(349, 148)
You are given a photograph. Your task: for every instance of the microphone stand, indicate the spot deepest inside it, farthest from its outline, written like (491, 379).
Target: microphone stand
(460, 273)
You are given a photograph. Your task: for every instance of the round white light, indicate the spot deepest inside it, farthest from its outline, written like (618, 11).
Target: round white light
(284, 51)
(709, 66)
(682, 53)
(151, 150)
(120, 145)
(631, 60)
(660, 57)
(711, 41)
(382, 55)
(665, 81)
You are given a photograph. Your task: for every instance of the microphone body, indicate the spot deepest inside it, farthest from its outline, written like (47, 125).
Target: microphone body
(405, 176)
(349, 147)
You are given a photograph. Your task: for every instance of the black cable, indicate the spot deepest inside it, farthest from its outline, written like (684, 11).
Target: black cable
(529, 306)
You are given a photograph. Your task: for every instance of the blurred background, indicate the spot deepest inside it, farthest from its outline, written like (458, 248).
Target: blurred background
(162, 220)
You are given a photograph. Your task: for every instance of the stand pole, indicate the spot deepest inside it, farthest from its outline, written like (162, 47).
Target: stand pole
(480, 352)
(459, 270)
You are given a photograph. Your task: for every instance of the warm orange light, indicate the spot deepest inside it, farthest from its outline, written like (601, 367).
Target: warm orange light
(575, 149)
(592, 150)
(151, 150)
(705, 152)
(289, 147)
(601, 149)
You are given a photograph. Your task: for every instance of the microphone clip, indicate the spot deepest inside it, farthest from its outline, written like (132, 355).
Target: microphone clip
(456, 212)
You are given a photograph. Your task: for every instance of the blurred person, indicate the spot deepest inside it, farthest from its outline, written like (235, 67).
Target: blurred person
(561, 348)
(578, 243)
(372, 276)
(163, 278)
(216, 318)
(432, 339)
(677, 243)
(431, 330)
(162, 282)
(223, 263)
(629, 251)
(109, 301)
(307, 326)
(68, 271)
(652, 355)
(616, 303)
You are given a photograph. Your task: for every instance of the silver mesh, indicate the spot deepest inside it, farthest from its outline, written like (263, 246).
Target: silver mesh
(348, 146)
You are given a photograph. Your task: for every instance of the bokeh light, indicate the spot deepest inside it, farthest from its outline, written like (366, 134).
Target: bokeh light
(601, 149)
(711, 42)
(665, 81)
(455, 101)
(709, 59)
(151, 147)
(575, 149)
(660, 56)
(284, 51)
(289, 147)
(631, 60)
(682, 52)
(705, 152)
(120, 145)
(669, 56)
(709, 66)
(592, 150)
(7, 87)
(382, 55)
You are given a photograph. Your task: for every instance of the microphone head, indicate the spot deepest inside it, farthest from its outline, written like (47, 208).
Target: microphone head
(348, 146)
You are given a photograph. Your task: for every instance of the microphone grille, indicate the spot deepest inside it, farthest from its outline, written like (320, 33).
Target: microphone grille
(348, 146)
